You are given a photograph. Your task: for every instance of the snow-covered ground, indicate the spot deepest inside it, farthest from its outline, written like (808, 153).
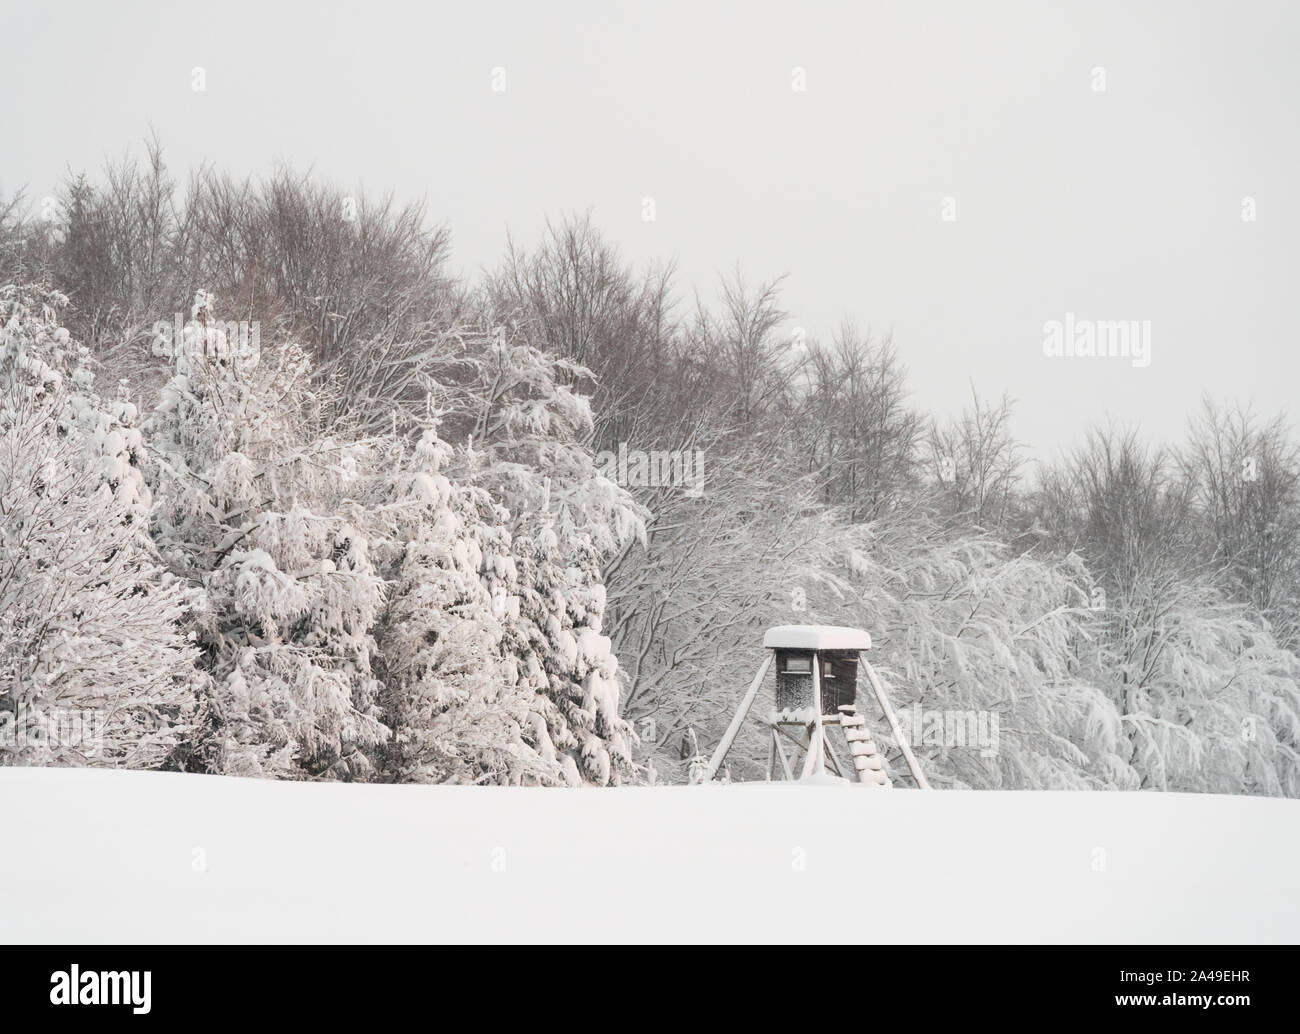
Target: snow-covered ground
(110, 856)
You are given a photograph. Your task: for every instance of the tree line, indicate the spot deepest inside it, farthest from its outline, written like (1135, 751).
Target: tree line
(378, 545)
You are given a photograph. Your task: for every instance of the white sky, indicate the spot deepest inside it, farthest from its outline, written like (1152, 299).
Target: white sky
(1122, 204)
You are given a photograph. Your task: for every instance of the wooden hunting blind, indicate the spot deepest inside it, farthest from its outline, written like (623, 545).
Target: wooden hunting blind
(794, 679)
(817, 688)
(831, 652)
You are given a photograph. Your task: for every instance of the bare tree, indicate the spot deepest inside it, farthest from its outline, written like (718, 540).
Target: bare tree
(115, 257)
(1245, 478)
(752, 360)
(583, 302)
(856, 426)
(976, 463)
(1116, 502)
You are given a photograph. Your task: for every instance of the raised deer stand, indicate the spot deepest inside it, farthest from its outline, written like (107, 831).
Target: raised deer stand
(816, 690)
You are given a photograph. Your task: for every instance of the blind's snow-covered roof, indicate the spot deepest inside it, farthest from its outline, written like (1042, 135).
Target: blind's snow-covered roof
(816, 637)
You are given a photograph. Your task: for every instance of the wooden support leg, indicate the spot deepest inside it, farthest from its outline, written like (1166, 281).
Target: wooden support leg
(899, 738)
(785, 761)
(729, 736)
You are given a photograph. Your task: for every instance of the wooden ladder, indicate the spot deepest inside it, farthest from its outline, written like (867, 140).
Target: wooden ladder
(866, 758)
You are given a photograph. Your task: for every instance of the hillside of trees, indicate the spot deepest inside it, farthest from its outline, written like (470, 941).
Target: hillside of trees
(281, 496)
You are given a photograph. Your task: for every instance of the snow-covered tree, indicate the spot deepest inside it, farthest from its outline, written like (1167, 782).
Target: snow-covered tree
(975, 464)
(716, 569)
(255, 510)
(1245, 478)
(964, 633)
(1207, 699)
(976, 642)
(95, 664)
(528, 444)
(459, 705)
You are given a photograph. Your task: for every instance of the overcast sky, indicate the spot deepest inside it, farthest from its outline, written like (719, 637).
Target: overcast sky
(1122, 203)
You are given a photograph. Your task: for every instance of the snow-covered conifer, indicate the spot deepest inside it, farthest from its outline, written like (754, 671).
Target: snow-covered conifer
(459, 706)
(95, 665)
(530, 433)
(254, 507)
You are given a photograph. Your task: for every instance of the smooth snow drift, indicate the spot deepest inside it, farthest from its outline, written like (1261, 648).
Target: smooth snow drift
(109, 856)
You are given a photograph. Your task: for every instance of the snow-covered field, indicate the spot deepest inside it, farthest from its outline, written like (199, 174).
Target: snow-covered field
(110, 856)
